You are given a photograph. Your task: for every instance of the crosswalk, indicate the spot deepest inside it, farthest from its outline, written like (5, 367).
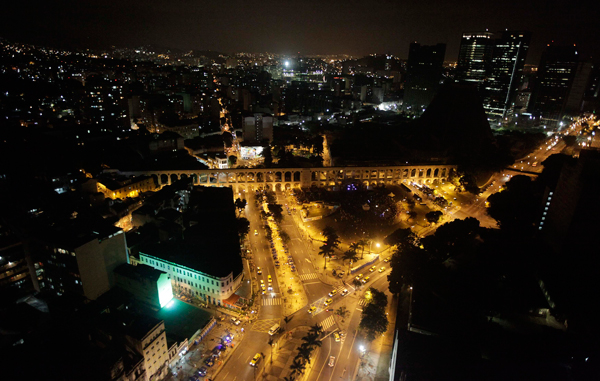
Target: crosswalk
(325, 324)
(271, 301)
(308, 276)
(362, 302)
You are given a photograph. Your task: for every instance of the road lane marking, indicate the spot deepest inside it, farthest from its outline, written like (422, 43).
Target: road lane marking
(352, 345)
(325, 362)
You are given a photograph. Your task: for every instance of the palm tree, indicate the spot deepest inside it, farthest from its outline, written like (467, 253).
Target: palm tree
(342, 312)
(326, 251)
(312, 341)
(350, 255)
(304, 352)
(298, 366)
(315, 329)
(363, 243)
(289, 378)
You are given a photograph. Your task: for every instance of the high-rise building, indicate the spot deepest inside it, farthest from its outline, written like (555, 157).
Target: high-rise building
(258, 127)
(15, 269)
(423, 75)
(505, 73)
(80, 260)
(561, 83)
(474, 57)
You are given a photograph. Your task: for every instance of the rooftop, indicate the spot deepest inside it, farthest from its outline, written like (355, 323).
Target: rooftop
(138, 272)
(214, 257)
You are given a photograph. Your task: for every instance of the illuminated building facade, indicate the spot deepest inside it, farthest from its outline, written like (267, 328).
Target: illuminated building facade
(120, 188)
(506, 71)
(188, 278)
(474, 57)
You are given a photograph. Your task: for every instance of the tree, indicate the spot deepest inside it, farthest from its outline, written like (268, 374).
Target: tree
(350, 255)
(240, 204)
(285, 237)
(231, 161)
(363, 242)
(243, 228)
(342, 312)
(331, 237)
(412, 215)
(315, 329)
(434, 216)
(276, 211)
(326, 251)
(374, 321)
(357, 283)
(266, 154)
(401, 238)
(406, 264)
(298, 366)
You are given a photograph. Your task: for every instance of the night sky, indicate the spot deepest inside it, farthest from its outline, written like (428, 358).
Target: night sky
(290, 26)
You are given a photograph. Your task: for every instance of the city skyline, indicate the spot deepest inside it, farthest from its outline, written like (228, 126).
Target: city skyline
(351, 28)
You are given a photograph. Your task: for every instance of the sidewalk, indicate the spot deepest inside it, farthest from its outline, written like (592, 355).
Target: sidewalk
(284, 355)
(193, 360)
(376, 362)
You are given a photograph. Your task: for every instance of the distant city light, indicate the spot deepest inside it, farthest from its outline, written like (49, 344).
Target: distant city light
(287, 63)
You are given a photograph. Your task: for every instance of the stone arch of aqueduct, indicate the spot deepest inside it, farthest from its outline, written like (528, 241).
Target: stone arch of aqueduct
(277, 179)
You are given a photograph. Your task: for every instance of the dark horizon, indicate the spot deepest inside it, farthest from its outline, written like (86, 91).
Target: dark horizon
(309, 27)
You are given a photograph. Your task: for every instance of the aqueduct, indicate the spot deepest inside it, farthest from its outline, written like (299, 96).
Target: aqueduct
(287, 178)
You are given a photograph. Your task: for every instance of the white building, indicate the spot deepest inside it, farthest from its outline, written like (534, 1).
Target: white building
(190, 280)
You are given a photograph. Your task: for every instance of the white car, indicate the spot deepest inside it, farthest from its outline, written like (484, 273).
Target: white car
(331, 361)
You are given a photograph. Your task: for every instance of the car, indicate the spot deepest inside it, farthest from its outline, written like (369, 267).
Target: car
(255, 232)
(270, 279)
(372, 268)
(270, 288)
(233, 320)
(359, 276)
(293, 269)
(202, 371)
(193, 378)
(210, 361)
(258, 271)
(328, 301)
(312, 309)
(382, 269)
(255, 359)
(238, 322)
(331, 361)
(333, 292)
(336, 336)
(262, 282)
(388, 258)
(366, 279)
(262, 291)
(344, 293)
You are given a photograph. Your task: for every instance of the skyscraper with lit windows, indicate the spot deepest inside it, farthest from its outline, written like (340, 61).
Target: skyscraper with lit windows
(474, 57)
(505, 74)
